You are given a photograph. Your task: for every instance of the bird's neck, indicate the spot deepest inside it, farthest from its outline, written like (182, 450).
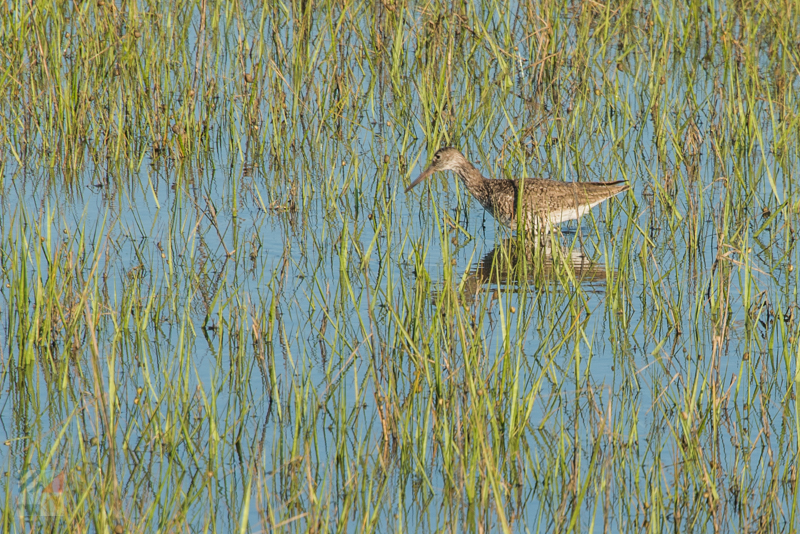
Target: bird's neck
(472, 177)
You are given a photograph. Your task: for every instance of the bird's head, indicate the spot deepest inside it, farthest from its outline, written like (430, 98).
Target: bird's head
(445, 159)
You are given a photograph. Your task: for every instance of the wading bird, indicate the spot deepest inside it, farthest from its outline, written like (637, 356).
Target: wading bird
(544, 202)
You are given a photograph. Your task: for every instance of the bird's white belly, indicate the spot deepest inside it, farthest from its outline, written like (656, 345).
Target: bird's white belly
(568, 214)
(555, 217)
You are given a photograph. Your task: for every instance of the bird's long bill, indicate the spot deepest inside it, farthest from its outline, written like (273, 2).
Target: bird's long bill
(425, 174)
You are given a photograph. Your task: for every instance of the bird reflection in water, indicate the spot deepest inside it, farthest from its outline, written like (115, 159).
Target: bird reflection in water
(512, 264)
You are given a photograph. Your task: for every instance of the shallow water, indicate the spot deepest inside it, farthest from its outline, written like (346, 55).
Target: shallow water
(279, 328)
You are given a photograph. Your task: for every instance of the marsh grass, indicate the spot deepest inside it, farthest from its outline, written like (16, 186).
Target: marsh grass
(222, 313)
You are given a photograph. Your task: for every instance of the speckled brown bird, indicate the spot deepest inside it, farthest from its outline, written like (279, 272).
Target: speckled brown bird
(545, 202)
